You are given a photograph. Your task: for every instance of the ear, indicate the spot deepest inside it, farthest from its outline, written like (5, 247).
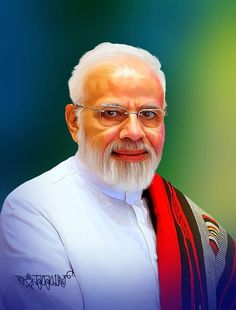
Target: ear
(71, 121)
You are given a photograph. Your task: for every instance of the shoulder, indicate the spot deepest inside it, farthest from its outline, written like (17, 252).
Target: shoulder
(37, 208)
(42, 189)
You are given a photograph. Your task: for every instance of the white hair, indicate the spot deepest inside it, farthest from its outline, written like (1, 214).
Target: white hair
(105, 52)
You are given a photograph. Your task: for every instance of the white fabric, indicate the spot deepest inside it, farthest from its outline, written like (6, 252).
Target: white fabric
(65, 220)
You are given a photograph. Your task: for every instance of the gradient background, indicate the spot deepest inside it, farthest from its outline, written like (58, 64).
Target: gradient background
(42, 40)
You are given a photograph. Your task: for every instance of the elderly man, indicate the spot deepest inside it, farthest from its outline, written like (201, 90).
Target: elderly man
(101, 230)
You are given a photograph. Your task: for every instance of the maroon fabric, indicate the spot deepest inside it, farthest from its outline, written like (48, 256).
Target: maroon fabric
(169, 264)
(179, 288)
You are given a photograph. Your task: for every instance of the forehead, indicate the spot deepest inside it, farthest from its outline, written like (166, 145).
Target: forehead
(125, 76)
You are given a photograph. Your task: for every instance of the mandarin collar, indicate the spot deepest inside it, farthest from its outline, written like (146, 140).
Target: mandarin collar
(89, 176)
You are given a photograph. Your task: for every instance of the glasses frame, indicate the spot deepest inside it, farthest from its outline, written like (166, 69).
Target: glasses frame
(125, 113)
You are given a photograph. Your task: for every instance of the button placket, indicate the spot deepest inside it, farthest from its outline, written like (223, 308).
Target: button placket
(141, 217)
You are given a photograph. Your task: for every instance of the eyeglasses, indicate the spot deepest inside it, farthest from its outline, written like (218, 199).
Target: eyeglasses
(112, 114)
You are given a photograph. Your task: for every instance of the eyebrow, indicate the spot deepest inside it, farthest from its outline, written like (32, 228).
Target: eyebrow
(151, 105)
(116, 105)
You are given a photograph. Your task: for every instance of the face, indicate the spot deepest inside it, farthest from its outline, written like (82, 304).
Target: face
(124, 155)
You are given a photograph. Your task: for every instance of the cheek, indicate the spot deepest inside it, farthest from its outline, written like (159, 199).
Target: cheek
(157, 138)
(109, 136)
(100, 138)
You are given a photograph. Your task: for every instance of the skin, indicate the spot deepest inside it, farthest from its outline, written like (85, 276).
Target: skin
(133, 86)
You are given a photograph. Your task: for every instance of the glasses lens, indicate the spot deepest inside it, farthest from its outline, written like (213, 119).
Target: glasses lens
(151, 118)
(112, 115)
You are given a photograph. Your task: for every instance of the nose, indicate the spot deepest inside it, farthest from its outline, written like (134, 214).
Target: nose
(131, 129)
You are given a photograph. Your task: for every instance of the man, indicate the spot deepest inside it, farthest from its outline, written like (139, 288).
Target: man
(101, 230)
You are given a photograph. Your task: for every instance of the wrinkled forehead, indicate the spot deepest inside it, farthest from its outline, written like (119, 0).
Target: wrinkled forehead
(121, 75)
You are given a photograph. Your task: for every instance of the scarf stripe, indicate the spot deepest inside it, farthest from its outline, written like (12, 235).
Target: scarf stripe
(226, 289)
(184, 230)
(197, 294)
(187, 275)
(146, 196)
(213, 229)
(169, 269)
(180, 288)
(200, 283)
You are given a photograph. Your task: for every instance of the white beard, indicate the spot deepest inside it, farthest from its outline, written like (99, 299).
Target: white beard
(125, 176)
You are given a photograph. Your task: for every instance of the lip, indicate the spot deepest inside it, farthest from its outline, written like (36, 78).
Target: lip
(130, 155)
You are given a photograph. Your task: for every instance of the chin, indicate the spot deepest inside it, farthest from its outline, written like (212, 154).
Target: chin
(128, 176)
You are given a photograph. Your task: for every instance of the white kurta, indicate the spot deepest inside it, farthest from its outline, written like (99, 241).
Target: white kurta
(68, 223)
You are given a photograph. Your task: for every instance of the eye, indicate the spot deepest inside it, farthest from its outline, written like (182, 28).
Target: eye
(112, 114)
(148, 114)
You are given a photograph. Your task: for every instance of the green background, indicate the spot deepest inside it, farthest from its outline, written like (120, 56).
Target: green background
(41, 41)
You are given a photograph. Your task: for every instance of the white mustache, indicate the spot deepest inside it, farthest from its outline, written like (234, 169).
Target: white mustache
(128, 145)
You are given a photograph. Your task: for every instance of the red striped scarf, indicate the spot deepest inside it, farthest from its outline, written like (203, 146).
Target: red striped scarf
(181, 266)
